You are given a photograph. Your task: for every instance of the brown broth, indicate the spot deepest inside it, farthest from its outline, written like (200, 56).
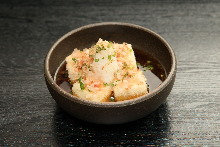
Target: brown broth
(153, 70)
(151, 67)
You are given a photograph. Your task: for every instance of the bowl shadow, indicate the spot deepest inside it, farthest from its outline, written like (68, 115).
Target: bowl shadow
(150, 130)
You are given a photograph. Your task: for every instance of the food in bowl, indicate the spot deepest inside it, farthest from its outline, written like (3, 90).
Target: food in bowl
(156, 58)
(107, 71)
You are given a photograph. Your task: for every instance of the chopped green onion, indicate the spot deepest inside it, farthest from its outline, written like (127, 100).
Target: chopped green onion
(109, 45)
(124, 76)
(114, 54)
(100, 48)
(96, 60)
(110, 84)
(125, 64)
(82, 86)
(113, 84)
(112, 99)
(149, 67)
(109, 57)
(74, 59)
(148, 61)
(105, 84)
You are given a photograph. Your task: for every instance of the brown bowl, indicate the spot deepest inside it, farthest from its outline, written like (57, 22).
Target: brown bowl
(111, 112)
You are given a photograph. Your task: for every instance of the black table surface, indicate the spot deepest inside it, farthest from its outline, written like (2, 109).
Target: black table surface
(30, 117)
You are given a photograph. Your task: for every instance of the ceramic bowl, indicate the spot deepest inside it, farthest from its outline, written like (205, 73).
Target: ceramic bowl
(110, 112)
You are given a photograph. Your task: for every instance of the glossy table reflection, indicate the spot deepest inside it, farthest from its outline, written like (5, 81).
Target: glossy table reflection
(30, 117)
(152, 130)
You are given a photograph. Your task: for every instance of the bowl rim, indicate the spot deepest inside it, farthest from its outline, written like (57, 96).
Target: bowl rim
(67, 95)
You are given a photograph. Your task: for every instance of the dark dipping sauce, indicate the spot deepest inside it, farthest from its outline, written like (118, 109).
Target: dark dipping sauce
(151, 67)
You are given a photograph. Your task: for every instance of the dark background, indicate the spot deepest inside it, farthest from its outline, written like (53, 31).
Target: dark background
(29, 115)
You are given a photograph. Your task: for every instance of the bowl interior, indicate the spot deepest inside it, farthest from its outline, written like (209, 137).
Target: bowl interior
(140, 38)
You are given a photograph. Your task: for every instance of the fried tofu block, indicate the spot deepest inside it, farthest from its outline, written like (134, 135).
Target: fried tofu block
(125, 55)
(101, 66)
(130, 81)
(102, 95)
(131, 87)
(74, 63)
